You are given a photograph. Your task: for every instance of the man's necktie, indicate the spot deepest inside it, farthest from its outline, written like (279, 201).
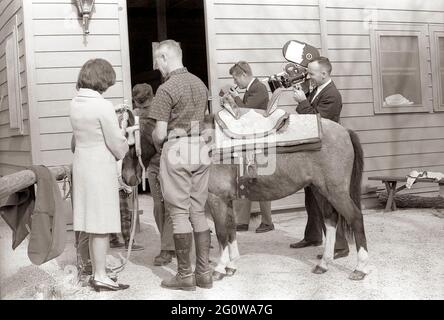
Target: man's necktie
(313, 94)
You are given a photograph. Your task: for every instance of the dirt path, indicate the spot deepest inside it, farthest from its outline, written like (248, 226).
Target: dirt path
(406, 251)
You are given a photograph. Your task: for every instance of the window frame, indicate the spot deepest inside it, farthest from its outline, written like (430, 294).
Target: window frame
(420, 31)
(436, 32)
(12, 63)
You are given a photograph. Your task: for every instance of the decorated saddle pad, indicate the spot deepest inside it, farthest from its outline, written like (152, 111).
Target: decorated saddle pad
(298, 129)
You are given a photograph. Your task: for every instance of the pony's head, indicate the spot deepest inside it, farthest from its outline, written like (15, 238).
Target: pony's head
(131, 168)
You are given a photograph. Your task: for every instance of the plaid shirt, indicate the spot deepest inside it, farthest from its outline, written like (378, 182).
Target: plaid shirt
(182, 99)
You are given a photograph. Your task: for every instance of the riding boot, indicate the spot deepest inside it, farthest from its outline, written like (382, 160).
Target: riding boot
(203, 273)
(185, 278)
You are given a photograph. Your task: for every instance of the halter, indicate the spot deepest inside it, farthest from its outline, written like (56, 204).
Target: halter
(132, 133)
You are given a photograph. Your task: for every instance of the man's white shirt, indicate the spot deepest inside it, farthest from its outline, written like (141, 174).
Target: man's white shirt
(320, 88)
(251, 82)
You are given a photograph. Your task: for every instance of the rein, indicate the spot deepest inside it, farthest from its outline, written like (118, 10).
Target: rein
(133, 135)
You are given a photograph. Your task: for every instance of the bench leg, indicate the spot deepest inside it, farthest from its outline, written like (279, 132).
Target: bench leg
(391, 190)
(394, 208)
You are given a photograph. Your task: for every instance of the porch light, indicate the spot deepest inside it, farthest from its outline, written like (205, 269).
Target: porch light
(85, 8)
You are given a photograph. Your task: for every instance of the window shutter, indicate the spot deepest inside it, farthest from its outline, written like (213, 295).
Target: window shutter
(13, 80)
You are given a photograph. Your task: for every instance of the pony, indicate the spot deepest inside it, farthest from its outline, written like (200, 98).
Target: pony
(335, 171)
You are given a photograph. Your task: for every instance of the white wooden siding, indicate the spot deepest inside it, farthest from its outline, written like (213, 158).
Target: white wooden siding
(393, 144)
(256, 31)
(60, 50)
(252, 30)
(15, 151)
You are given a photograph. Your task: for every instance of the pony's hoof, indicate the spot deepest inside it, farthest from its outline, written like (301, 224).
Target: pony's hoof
(218, 276)
(230, 272)
(357, 275)
(319, 270)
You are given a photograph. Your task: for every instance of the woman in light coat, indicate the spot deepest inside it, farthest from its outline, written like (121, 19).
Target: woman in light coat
(98, 143)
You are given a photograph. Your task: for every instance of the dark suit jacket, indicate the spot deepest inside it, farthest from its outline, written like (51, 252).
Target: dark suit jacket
(328, 103)
(256, 97)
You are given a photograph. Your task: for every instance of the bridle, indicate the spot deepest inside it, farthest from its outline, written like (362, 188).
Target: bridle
(132, 133)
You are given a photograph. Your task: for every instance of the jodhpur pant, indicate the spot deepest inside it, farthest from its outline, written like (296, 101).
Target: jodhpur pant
(161, 216)
(315, 223)
(184, 176)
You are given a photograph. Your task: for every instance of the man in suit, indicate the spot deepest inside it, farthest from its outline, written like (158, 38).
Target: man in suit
(255, 97)
(326, 100)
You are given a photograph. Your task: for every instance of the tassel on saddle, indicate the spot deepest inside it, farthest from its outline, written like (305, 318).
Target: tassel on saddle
(247, 171)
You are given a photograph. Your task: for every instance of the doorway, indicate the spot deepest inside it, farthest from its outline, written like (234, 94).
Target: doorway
(157, 20)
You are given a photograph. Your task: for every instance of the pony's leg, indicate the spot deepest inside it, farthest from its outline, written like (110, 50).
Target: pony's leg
(224, 225)
(345, 206)
(233, 251)
(223, 262)
(330, 239)
(361, 246)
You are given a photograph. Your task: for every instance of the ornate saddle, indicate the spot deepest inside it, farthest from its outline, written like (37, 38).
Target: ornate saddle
(251, 138)
(279, 133)
(251, 124)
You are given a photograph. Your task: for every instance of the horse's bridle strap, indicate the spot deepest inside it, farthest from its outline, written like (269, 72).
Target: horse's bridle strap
(133, 137)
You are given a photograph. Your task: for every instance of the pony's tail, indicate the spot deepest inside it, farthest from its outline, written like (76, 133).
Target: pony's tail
(355, 182)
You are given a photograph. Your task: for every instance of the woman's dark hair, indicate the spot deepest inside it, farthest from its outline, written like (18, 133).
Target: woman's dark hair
(96, 74)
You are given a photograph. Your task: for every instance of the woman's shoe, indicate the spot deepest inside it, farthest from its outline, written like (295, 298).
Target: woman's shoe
(101, 286)
(112, 277)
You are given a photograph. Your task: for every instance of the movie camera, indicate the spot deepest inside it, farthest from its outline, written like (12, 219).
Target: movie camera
(299, 54)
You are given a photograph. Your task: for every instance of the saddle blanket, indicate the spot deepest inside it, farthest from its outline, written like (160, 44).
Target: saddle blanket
(299, 129)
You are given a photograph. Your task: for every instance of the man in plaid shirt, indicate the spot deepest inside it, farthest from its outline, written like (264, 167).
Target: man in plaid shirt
(179, 109)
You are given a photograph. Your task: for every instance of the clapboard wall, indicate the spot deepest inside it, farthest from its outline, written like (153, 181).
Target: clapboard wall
(255, 31)
(15, 150)
(394, 144)
(252, 30)
(59, 50)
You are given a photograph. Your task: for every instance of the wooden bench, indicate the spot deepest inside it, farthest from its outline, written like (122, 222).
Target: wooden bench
(390, 184)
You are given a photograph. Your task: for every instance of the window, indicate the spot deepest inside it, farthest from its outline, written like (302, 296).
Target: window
(399, 69)
(437, 52)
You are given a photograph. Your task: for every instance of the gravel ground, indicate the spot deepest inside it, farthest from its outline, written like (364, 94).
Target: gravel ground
(406, 262)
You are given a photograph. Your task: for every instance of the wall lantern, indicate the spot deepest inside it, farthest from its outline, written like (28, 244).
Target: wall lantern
(85, 8)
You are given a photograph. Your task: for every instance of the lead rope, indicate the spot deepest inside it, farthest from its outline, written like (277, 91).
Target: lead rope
(124, 260)
(133, 190)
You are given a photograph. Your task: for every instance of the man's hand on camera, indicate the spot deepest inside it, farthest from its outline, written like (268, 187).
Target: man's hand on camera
(299, 95)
